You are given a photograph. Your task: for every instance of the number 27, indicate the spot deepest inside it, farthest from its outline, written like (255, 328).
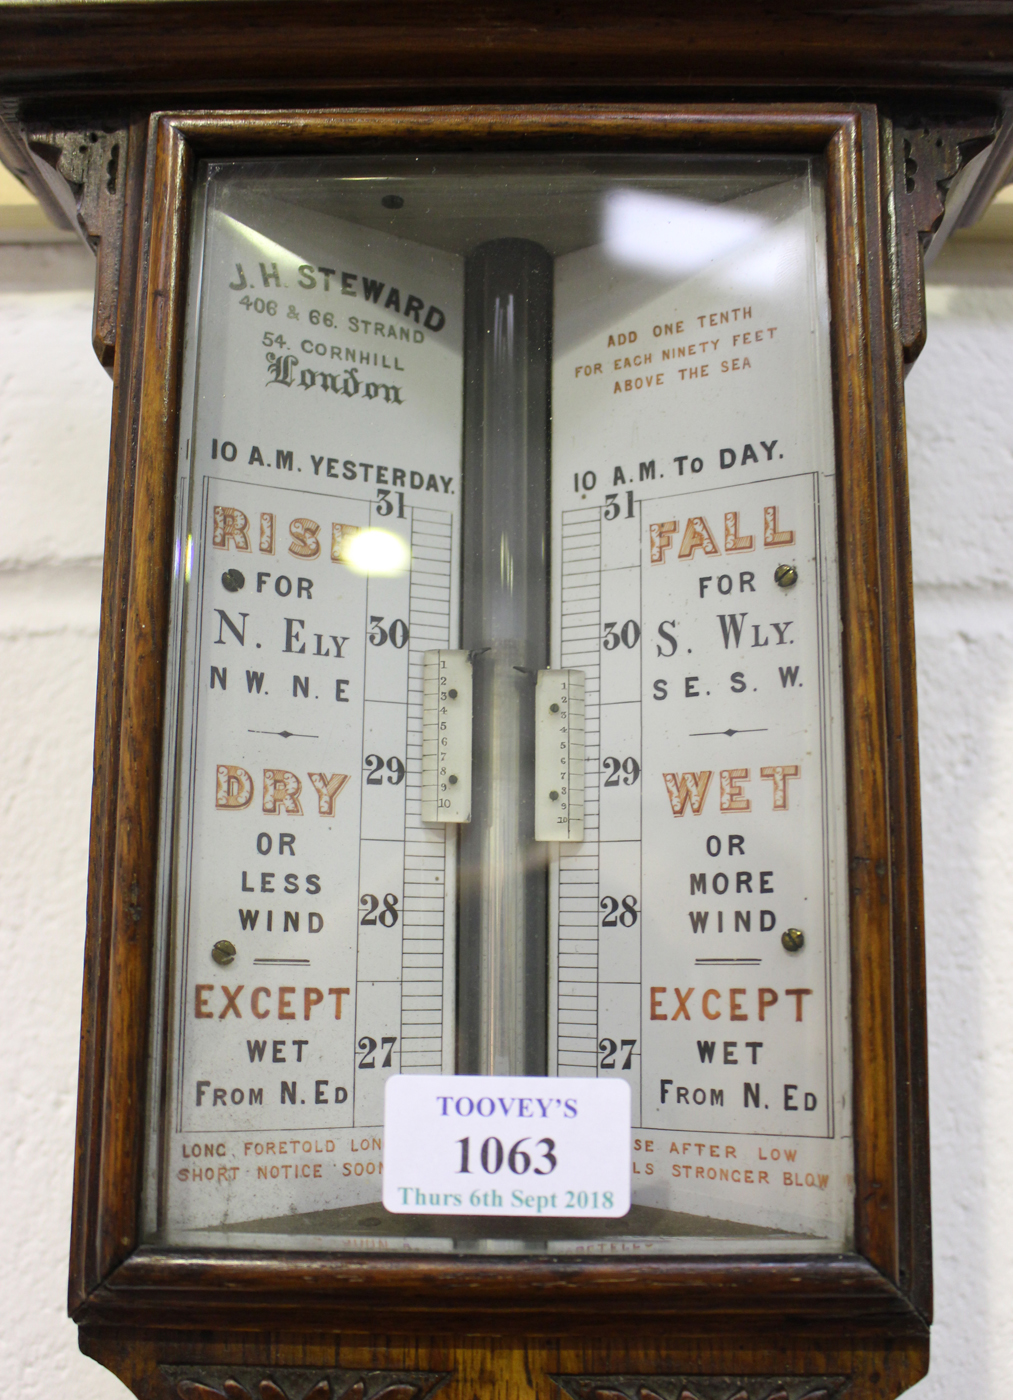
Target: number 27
(609, 1048)
(368, 1044)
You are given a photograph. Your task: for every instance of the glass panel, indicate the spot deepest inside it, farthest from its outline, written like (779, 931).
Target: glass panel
(465, 440)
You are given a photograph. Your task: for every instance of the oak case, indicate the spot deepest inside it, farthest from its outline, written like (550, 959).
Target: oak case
(615, 1325)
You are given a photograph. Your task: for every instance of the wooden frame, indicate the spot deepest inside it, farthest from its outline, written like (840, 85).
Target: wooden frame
(84, 50)
(865, 1314)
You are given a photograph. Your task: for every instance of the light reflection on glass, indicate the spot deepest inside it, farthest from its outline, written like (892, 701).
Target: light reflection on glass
(666, 234)
(377, 552)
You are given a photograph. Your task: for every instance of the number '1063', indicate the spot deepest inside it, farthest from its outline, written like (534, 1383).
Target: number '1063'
(492, 1153)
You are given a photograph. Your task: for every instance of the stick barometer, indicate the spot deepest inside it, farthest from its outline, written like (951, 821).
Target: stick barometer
(504, 965)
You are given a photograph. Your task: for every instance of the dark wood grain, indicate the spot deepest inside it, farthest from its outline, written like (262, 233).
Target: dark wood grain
(140, 740)
(487, 1364)
(221, 47)
(704, 127)
(900, 697)
(853, 155)
(701, 1314)
(515, 1295)
(84, 1274)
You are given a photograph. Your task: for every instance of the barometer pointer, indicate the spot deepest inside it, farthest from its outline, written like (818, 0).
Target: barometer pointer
(707, 733)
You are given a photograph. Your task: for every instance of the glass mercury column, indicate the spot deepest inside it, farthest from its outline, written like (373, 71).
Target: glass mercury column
(502, 977)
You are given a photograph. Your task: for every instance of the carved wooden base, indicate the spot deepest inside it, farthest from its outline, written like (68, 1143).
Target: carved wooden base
(701, 1387)
(165, 1365)
(199, 1382)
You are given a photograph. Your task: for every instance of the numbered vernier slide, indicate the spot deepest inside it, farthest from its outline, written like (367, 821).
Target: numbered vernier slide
(692, 456)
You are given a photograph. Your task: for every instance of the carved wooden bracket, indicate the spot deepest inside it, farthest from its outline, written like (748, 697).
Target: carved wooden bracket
(82, 172)
(200, 1382)
(928, 154)
(702, 1387)
(84, 169)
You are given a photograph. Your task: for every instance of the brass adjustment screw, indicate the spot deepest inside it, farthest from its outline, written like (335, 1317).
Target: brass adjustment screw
(553, 709)
(786, 576)
(792, 939)
(223, 952)
(233, 580)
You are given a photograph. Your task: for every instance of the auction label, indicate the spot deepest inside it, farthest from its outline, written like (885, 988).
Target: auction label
(505, 1145)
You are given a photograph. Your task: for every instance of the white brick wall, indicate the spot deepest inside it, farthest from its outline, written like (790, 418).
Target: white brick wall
(54, 414)
(55, 402)
(960, 430)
